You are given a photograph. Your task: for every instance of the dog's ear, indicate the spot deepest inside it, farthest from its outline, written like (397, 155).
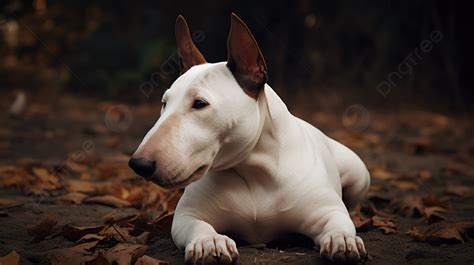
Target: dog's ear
(189, 55)
(245, 60)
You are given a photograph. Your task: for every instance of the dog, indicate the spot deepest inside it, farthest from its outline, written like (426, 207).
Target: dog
(249, 167)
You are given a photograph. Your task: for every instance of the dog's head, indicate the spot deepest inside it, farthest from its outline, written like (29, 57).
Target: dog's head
(209, 116)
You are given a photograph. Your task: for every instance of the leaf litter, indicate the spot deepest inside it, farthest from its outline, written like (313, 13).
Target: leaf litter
(394, 194)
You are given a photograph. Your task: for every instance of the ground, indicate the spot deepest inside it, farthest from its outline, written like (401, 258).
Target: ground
(64, 165)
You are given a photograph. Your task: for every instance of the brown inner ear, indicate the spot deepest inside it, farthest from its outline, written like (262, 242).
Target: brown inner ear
(245, 60)
(188, 53)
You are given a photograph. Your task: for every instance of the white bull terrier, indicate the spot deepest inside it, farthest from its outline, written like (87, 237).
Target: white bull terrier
(249, 167)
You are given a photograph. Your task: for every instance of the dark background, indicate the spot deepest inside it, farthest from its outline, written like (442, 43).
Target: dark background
(321, 55)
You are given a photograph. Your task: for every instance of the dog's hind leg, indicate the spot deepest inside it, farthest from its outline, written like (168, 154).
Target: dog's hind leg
(355, 178)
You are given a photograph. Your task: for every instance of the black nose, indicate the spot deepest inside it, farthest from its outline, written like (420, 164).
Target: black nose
(143, 167)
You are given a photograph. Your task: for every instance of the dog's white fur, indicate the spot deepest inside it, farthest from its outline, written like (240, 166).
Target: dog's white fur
(264, 172)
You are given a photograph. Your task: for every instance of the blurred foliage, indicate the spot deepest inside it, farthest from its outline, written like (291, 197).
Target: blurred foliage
(327, 52)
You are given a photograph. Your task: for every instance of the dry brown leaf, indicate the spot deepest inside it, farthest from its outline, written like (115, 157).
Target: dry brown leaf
(41, 181)
(172, 200)
(459, 190)
(162, 225)
(431, 200)
(415, 206)
(433, 213)
(42, 173)
(7, 203)
(116, 232)
(43, 229)
(28, 162)
(99, 260)
(382, 173)
(74, 233)
(405, 184)
(423, 175)
(439, 233)
(361, 223)
(459, 169)
(74, 197)
(378, 193)
(112, 141)
(115, 170)
(147, 260)
(76, 167)
(83, 186)
(76, 255)
(409, 205)
(11, 259)
(108, 200)
(122, 193)
(11, 176)
(91, 237)
(387, 225)
(125, 254)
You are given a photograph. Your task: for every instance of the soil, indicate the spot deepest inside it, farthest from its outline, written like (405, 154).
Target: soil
(51, 128)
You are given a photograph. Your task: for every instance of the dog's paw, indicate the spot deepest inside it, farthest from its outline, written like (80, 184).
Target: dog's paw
(341, 247)
(212, 249)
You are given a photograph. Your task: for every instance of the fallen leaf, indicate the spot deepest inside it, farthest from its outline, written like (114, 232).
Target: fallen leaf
(163, 224)
(91, 237)
(8, 203)
(76, 167)
(74, 197)
(114, 170)
(375, 219)
(74, 233)
(409, 205)
(382, 173)
(42, 173)
(108, 200)
(43, 228)
(414, 206)
(459, 190)
(75, 185)
(172, 200)
(387, 225)
(361, 223)
(405, 184)
(459, 169)
(378, 193)
(11, 176)
(437, 233)
(99, 260)
(11, 259)
(433, 213)
(423, 175)
(116, 232)
(147, 260)
(112, 141)
(41, 182)
(76, 255)
(431, 200)
(125, 254)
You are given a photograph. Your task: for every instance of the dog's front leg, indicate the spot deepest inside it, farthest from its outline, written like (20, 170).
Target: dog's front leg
(332, 229)
(202, 244)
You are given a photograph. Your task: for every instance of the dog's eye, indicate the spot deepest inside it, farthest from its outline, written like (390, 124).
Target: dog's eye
(199, 104)
(163, 105)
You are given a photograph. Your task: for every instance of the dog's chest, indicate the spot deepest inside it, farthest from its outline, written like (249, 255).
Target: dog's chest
(256, 215)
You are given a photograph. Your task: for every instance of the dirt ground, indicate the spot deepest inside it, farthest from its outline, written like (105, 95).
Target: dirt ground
(422, 167)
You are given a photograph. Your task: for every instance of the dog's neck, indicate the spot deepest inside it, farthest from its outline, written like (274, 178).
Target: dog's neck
(262, 162)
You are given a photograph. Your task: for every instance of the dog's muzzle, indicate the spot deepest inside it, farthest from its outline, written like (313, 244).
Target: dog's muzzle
(143, 167)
